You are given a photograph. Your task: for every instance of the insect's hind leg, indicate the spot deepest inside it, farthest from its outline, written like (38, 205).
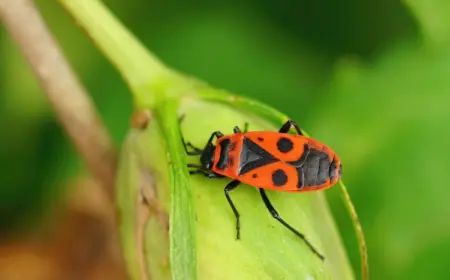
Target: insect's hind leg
(287, 126)
(275, 214)
(231, 186)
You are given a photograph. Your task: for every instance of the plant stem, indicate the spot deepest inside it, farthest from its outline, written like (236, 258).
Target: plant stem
(69, 99)
(183, 254)
(135, 63)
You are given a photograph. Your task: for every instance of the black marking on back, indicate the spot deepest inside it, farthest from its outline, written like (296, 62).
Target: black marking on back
(223, 159)
(284, 145)
(316, 168)
(260, 139)
(254, 175)
(253, 156)
(279, 178)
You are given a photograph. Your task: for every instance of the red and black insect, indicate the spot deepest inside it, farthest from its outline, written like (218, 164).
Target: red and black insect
(268, 160)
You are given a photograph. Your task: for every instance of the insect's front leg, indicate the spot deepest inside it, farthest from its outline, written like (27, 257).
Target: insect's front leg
(196, 151)
(198, 169)
(216, 134)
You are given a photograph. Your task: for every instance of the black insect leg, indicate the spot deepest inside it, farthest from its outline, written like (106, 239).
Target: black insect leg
(275, 214)
(287, 126)
(231, 186)
(196, 151)
(216, 134)
(198, 169)
(188, 144)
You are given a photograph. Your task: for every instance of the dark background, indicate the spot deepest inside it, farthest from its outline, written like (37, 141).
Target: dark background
(369, 78)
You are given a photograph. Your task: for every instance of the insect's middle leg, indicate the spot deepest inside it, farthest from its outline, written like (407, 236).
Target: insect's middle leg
(275, 214)
(287, 126)
(231, 186)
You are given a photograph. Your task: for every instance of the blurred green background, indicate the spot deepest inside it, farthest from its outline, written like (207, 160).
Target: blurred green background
(369, 78)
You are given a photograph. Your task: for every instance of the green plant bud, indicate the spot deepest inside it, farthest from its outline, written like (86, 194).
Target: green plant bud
(152, 175)
(174, 225)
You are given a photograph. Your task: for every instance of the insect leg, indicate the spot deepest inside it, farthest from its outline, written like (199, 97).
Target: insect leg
(196, 166)
(216, 134)
(188, 144)
(231, 186)
(196, 171)
(199, 169)
(196, 151)
(285, 128)
(275, 214)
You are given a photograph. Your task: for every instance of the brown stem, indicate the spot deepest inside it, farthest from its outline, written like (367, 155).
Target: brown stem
(68, 97)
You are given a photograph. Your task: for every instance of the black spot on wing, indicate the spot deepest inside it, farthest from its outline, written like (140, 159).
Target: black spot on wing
(279, 178)
(284, 145)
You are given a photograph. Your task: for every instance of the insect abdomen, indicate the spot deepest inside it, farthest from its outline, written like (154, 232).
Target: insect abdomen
(316, 169)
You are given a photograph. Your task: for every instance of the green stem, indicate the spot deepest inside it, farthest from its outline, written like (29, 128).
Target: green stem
(182, 238)
(135, 63)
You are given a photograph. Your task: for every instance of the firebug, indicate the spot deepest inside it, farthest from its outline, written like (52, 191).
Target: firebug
(270, 160)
